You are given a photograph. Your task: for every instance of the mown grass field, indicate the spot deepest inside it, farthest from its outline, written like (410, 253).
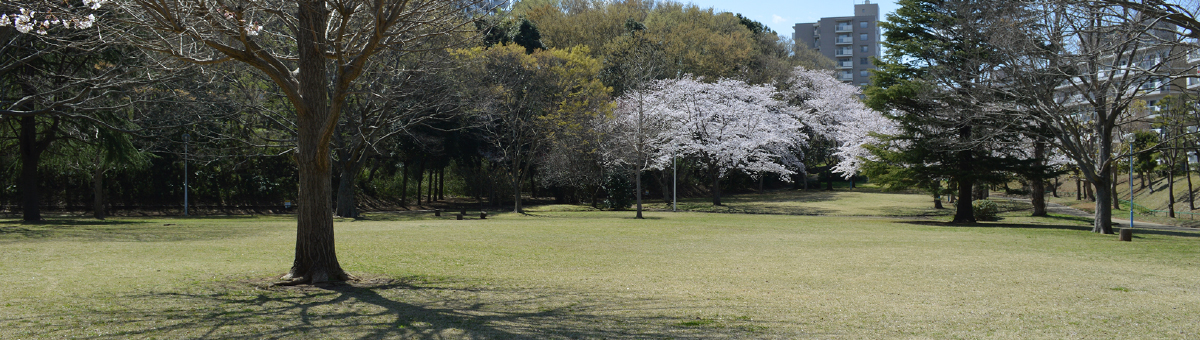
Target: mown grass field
(567, 273)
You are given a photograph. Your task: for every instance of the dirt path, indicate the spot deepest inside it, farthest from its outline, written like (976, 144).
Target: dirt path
(1118, 222)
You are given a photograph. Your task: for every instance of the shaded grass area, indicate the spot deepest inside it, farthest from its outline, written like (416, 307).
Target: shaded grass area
(861, 201)
(561, 272)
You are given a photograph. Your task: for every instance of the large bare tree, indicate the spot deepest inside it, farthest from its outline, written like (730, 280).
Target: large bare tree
(314, 51)
(1078, 66)
(56, 74)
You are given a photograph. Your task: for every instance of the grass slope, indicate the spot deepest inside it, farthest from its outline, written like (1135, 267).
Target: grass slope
(586, 274)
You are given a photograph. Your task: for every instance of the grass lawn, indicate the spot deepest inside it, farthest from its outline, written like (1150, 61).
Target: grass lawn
(866, 200)
(563, 273)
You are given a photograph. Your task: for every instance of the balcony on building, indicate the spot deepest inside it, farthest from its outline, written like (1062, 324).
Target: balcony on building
(844, 26)
(846, 76)
(844, 39)
(1153, 86)
(1193, 82)
(844, 52)
(845, 63)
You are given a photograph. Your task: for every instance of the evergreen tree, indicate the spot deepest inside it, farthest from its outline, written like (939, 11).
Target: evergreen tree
(937, 82)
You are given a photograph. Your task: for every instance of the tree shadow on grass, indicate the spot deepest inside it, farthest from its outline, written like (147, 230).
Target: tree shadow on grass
(74, 222)
(118, 231)
(385, 308)
(1136, 233)
(998, 225)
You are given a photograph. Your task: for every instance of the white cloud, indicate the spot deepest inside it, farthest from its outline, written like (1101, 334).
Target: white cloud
(777, 19)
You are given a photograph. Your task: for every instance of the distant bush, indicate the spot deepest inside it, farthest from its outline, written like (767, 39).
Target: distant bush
(985, 210)
(620, 192)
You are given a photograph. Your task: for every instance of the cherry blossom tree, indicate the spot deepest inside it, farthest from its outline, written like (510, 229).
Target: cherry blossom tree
(726, 126)
(637, 134)
(831, 109)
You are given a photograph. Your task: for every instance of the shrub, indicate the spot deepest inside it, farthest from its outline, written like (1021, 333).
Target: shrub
(620, 192)
(985, 210)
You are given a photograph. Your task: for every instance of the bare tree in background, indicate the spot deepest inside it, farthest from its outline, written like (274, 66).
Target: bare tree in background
(1077, 66)
(57, 74)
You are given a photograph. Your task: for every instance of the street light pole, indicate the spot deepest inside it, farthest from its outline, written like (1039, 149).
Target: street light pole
(186, 138)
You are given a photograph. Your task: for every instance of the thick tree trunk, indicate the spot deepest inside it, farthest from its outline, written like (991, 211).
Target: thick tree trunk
(420, 180)
(639, 193)
(441, 183)
(1103, 222)
(829, 179)
(1038, 197)
(98, 191)
(1187, 170)
(345, 194)
(1171, 189)
(716, 187)
(1079, 188)
(1037, 186)
(964, 212)
(31, 154)
(404, 183)
(937, 195)
(1116, 201)
(316, 259)
(516, 183)
(1100, 180)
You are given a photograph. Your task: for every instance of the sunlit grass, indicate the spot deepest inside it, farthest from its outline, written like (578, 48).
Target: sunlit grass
(863, 201)
(565, 272)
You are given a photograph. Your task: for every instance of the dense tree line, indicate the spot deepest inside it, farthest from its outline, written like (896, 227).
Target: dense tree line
(401, 105)
(601, 102)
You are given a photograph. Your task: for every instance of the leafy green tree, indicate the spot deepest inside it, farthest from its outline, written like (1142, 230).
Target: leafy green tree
(525, 101)
(936, 80)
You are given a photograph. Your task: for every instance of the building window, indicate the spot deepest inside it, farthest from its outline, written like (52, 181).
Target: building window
(863, 61)
(864, 49)
(862, 36)
(862, 24)
(863, 73)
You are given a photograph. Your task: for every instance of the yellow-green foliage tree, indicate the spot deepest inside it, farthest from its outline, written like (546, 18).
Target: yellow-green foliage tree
(530, 105)
(690, 39)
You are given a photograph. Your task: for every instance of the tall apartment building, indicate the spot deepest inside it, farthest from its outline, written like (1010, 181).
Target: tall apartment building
(849, 41)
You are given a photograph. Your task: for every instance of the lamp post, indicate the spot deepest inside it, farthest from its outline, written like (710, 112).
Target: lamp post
(186, 138)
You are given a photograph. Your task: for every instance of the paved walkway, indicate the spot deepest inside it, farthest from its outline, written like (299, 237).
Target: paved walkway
(1117, 221)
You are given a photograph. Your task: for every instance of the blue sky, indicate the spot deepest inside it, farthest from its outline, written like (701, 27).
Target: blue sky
(782, 15)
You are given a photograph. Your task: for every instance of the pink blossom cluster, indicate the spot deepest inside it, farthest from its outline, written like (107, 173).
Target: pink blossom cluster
(28, 21)
(756, 129)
